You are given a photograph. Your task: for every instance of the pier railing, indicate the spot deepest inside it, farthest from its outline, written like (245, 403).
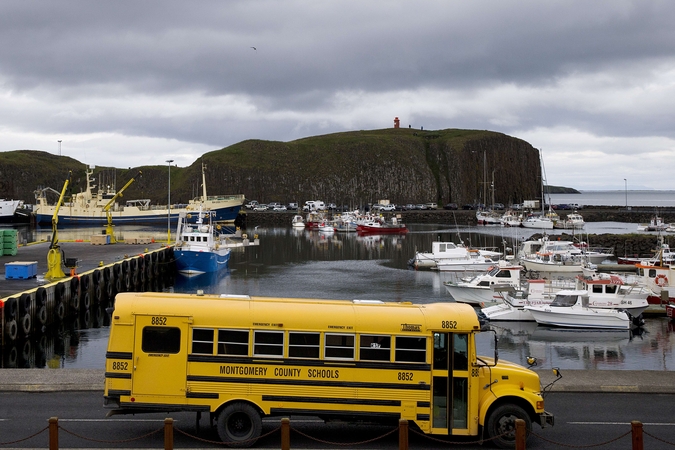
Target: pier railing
(636, 432)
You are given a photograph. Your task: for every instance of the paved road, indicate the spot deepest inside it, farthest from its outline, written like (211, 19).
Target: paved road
(590, 407)
(582, 419)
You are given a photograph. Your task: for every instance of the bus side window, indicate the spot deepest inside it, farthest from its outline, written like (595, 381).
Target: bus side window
(268, 343)
(460, 357)
(161, 340)
(411, 349)
(339, 346)
(440, 351)
(374, 348)
(202, 341)
(233, 342)
(303, 345)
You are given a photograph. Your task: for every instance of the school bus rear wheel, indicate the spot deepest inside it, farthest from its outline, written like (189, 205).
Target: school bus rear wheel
(239, 425)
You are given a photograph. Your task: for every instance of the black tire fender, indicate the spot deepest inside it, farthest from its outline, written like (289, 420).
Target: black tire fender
(239, 424)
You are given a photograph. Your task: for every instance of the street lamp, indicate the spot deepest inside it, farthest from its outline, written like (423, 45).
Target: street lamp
(625, 183)
(168, 218)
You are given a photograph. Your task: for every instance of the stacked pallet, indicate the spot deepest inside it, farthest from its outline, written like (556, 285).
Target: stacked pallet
(9, 241)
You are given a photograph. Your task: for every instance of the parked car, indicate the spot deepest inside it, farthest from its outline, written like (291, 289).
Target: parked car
(389, 207)
(279, 208)
(260, 208)
(498, 206)
(252, 204)
(293, 205)
(468, 206)
(450, 206)
(332, 207)
(431, 205)
(409, 207)
(421, 206)
(517, 206)
(574, 206)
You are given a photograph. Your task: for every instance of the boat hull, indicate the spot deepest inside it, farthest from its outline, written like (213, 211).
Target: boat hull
(190, 262)
(97, 217)
(572, 317)
(475, 295)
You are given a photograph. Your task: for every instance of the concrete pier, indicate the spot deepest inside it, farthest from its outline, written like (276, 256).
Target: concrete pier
(31, 306)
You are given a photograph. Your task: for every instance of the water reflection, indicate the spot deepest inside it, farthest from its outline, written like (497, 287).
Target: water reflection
(647, 348)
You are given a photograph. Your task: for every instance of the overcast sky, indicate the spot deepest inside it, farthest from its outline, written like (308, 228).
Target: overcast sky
(131, 83)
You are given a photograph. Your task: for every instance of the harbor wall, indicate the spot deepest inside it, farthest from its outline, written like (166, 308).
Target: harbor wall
(78, 301)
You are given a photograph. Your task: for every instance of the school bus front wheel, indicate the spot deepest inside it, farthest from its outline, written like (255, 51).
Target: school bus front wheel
(501, 424)
(239, 425)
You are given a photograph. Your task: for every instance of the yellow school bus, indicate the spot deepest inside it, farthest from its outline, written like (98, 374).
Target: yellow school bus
(242, 358)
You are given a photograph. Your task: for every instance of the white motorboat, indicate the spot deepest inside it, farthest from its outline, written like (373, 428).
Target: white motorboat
(546, 255)
(298, 221)
(570, 309)
(511, 219)
(8, 208)
(326, 227)
(573, 221)
(479, 289)
(548, 262)
(512, 306)
(448, 256)
(488, 217)
(655, 224)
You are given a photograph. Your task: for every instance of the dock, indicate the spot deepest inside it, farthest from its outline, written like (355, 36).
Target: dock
(31, 304)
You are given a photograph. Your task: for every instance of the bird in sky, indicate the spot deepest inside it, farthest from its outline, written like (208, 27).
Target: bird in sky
(254, 48)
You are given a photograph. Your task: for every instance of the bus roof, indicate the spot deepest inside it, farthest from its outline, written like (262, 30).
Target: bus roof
(347, 316)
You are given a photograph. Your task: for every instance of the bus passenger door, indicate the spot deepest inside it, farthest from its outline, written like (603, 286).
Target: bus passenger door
(450, 383)
(160, 355)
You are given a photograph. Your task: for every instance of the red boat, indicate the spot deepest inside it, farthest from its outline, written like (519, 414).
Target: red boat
(377, 227)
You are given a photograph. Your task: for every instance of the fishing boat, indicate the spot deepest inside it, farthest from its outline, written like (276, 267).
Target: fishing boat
(573, 221)
(12, 211)
(88, 207)
(199, 248)
(379, 226)
(655, 224)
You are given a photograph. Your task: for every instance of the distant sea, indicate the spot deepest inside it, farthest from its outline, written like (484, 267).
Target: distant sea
(657, 199)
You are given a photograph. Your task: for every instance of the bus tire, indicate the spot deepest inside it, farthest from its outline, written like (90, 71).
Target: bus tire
(239, 425)
(501, 425)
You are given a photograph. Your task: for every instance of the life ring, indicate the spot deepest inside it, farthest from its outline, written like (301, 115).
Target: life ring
(661, 280)
(26, 324)
(11, 329)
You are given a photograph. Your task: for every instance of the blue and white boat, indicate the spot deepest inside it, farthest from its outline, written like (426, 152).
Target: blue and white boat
(199, 248)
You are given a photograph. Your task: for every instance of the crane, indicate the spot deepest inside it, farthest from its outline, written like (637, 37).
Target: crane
(106, 208)
(54, 256)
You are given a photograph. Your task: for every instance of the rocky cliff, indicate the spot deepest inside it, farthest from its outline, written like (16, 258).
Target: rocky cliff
(352, 168)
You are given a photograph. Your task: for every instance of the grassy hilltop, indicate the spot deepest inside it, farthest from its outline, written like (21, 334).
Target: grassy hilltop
(402, 165)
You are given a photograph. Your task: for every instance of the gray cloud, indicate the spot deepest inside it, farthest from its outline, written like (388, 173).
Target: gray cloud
(185, 72)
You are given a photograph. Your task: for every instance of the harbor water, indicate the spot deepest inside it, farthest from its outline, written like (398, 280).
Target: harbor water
(292, 263)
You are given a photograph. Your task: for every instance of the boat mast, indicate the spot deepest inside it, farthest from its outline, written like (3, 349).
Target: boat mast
(203, 182)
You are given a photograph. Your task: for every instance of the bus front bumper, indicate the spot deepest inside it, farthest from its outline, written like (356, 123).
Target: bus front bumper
(545, 418)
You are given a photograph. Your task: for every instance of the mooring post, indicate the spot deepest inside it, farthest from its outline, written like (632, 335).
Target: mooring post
(53, 433)
(636, 429)
(521, 434)
(403, 434)
(168, 433)
(285, 433)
